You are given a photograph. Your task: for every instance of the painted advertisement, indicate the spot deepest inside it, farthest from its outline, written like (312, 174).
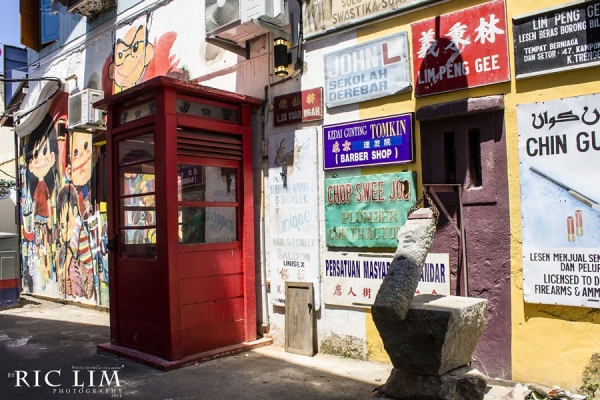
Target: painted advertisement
(558, 39)
(375, 141)
(353, 279)
(367, 211)
(367, 71)
(321, 16)
(304, 106)
(559, 153)
(293, 239)
(459, 50)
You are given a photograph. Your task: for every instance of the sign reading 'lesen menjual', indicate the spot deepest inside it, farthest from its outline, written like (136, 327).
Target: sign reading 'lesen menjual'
(375, 141)
(557, 40)
(367, 71)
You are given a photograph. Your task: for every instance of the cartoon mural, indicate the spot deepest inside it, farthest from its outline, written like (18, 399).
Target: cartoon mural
(63, 210)
(135, 59)
(64, 233)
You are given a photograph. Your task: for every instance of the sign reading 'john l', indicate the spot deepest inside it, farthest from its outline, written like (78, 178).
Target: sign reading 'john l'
(376, 141)
(368, 71)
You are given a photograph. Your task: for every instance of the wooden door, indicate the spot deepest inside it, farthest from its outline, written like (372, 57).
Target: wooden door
(299, 318)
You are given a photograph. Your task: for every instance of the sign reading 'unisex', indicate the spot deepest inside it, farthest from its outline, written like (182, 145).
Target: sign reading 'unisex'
(367, 71)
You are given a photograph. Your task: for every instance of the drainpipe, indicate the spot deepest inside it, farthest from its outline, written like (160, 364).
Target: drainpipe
(264, 326)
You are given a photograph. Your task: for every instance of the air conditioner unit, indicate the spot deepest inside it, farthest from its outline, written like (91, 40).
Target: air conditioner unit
(82, 114)
(240, 20)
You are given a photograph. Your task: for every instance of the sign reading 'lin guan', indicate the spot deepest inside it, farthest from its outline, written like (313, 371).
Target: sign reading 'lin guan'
(303, 106)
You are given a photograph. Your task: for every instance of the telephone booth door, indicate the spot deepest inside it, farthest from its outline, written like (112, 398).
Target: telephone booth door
(181, 220)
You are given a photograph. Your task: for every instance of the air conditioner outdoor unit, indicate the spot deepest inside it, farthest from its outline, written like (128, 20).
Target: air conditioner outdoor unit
(240, 20)
(82, 114)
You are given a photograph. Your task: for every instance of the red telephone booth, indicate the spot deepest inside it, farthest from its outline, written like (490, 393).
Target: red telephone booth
(181, 220)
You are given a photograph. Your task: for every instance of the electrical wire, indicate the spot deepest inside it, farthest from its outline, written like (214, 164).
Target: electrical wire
(58, 82)
(10, 176)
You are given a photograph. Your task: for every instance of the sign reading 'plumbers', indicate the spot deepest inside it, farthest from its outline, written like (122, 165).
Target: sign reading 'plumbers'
(376, 141)
(368, 71)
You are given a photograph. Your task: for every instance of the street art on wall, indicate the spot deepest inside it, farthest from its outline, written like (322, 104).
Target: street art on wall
(136, 58)
(64, 232)
(559, 153)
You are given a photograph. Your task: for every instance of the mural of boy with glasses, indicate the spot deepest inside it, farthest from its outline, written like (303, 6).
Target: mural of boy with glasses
(75, 267)
(132, 54)
(135, 59)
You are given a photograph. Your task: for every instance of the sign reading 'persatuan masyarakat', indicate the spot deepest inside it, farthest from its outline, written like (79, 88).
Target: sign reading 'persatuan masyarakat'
(367, 211)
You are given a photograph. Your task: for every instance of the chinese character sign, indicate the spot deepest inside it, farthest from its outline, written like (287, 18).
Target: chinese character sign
(375, 141)
(559, 154)
(367, 71)
(460, 50)
(367, 211)
(353, 279)
(303, 106)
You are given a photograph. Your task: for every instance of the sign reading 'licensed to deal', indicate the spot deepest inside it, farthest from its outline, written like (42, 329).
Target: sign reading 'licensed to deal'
(376, 141)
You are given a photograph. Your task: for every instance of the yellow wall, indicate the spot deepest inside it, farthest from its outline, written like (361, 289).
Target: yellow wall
(551, 345)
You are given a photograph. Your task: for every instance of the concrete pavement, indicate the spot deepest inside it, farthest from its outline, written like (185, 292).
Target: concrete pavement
(59, 342)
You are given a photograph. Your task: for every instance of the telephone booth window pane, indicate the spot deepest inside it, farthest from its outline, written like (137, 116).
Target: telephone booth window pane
(138, 243)
(206, 184)
(136, 149)
(207, 225)
(138, 211)
(137, 179)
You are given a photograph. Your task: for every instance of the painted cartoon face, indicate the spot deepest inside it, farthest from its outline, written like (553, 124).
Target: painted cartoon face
(132, 54)
(42, 159)
(81, 158)
(66, 220)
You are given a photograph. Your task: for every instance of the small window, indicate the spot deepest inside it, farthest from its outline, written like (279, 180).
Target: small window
(39, 25)
(449, 158)
(474, 148)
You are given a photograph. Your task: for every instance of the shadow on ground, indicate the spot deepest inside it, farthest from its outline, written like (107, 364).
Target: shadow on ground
(68, 349)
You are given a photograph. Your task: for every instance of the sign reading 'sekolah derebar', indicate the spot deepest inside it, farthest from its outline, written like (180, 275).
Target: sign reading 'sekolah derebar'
(367, 71)
(368, 210)
(557, 39)
(375, 141)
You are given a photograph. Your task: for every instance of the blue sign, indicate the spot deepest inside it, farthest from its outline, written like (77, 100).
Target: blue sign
(375, 141)
(367, 71)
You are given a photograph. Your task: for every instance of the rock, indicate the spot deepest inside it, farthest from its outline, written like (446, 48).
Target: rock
(439, 334)
(398, 288)
(463, 383)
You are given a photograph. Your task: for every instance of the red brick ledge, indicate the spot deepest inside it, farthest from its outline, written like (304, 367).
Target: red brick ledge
(164, 365)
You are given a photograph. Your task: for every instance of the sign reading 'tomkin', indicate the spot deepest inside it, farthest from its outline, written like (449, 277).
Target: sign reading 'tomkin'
(367, 71)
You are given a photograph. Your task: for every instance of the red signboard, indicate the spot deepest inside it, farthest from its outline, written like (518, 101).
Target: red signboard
(303, 106)
(460, 50)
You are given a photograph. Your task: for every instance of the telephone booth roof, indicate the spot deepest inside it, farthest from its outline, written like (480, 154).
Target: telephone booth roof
(182, 87)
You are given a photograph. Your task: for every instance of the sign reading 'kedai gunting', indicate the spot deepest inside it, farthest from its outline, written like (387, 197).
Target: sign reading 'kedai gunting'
(376, 141)
(367, 71)
(367, 211)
